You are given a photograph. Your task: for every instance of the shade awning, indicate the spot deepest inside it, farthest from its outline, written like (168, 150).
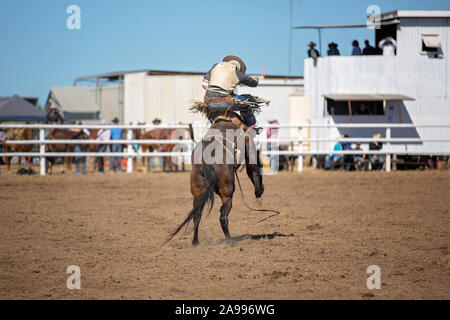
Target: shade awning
(368, 97)
(431, 40)
(18, 109)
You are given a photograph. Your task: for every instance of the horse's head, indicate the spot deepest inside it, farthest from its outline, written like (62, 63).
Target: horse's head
(137, 133)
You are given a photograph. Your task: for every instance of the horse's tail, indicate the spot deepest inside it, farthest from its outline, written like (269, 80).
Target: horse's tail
(208, 196)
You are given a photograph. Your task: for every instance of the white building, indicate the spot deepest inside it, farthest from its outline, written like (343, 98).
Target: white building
(411, 87)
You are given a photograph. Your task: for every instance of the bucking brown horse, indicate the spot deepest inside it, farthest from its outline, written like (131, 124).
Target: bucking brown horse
(211, 174)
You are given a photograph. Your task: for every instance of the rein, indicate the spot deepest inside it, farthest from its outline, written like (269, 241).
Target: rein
(275, 212)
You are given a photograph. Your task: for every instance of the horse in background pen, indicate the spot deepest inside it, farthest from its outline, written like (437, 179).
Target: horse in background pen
(18, 134)
(168, 164)
(63, 134)
(93, 147)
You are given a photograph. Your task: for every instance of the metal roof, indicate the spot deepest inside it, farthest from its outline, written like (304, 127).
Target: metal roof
(73, 99)
(368, 97)
(114, 76)
(344, 25)
(415, 14)
(32, 100)
(18, 109)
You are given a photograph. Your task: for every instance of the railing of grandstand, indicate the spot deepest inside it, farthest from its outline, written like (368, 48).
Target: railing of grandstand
(130, 153)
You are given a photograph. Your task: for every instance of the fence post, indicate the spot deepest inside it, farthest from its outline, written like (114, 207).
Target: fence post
(130, 151)
(300, 149)
(388, 144)
(42, 151)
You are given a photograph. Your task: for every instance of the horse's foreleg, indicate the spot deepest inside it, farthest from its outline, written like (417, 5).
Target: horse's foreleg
(65, 165)
(49, 165)
(253, 172)
(253, 169)
(8, 162)
(29, 163)
(170, 165)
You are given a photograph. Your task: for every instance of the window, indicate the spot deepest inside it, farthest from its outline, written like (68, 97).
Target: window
(431, 43)
(358, 107)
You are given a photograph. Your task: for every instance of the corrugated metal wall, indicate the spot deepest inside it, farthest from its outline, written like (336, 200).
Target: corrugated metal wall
(168, 97)
(134, 95)
(108, 100)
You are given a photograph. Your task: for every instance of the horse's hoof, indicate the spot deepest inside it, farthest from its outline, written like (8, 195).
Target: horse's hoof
(259, 193)
(195, 243)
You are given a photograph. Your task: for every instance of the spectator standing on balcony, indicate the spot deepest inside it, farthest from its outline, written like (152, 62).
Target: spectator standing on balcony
(116, 134)
(368, 49)
(313, 53)
(333, 50)
(356, 49)
(388, 45)
(377, 160)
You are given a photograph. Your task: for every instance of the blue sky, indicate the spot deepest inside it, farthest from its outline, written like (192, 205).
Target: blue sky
(37, 51)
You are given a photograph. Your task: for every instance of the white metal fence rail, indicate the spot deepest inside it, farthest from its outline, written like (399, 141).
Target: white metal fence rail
(299, 140)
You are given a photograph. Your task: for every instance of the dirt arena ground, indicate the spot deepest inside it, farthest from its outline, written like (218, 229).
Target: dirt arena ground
(332, 226)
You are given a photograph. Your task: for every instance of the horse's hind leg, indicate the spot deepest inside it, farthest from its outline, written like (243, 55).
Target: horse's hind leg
(224, 212)
(197, 192)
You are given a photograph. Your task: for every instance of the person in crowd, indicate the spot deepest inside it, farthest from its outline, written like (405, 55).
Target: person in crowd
(313, 53)
(332, 159)
(116, 134)
(356, 51)
(102, 135)
(377, 160)
(159, 160)
(359, 160)
(53, 116)
(362, 110)
(2, 143)
(368, 49)
(80, 162)
(272, 133)
(388, 46)
(333, 49)
(347, 159)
